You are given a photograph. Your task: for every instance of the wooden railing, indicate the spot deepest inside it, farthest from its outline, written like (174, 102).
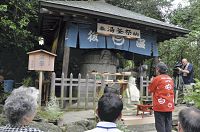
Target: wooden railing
(82, 93)
(144, 94)
(79, 90)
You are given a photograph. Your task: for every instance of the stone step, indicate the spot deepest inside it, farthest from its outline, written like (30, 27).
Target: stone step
(139, 124)
(147, 124)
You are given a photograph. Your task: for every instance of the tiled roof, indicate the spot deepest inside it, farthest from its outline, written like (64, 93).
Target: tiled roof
(108, 10)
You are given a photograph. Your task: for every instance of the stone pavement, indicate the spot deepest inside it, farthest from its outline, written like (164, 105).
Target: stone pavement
(74, 116)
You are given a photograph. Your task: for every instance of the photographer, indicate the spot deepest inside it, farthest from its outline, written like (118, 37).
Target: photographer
(187, 74)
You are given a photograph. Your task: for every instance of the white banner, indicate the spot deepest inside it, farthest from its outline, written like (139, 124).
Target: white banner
(117, 30)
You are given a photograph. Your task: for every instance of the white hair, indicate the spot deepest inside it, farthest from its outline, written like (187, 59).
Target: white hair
(32, 91)
(22, 102)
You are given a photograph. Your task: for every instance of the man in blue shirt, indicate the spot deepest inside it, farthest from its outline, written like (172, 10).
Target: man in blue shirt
(187, 73)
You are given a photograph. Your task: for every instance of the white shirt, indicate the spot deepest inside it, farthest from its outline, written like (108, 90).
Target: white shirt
(105, 127)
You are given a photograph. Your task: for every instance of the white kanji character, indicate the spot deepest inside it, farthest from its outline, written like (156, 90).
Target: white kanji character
(92, 36)
(168, 86)
(140, 43)
(161, 101)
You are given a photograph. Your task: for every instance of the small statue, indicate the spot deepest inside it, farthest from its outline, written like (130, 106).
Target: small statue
(133, 90)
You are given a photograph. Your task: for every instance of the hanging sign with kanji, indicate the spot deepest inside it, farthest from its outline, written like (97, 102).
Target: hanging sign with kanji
(107, 29)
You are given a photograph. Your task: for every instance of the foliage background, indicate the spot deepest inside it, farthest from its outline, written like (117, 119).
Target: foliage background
(19, 20)
(188, 47)
(18, 34)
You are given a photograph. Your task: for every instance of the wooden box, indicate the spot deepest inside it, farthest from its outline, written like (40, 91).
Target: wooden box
(41, 60)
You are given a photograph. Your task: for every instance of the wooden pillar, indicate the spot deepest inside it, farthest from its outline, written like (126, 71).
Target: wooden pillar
(94, 92)
(87, 90)
(141, 87)
(56, 39)
(65, 61)
(65, 56)
(156, 60)
(53, 78)
(65, 64)
(79, 88)
(70, 90)
(62, 90)
(40, 88)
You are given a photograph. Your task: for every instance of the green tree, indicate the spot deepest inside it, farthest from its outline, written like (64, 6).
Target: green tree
(188, 46)
(188, 17)
(18, 19)
(150, 8)
(18, 31)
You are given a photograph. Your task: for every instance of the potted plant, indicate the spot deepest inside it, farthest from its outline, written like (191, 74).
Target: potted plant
(52, 111)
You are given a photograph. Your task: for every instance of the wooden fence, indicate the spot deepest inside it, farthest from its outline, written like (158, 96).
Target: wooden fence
(144, 94)
(80, 91)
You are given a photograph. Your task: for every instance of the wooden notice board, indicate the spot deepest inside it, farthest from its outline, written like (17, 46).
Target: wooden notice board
(41, 60)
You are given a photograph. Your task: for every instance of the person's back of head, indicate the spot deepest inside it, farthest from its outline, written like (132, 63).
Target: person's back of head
(20, 105)
(162, 68)
(109, 107)
(189, 120)
(108, 89)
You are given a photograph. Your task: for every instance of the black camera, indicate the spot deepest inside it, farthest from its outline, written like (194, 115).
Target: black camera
(176, 70)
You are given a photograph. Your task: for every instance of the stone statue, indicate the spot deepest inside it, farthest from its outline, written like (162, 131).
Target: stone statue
(133, 90)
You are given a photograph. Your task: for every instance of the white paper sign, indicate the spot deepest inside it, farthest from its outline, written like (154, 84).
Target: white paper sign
(117, 30)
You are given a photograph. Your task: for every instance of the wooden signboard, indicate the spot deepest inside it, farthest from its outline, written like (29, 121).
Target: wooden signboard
(118, 31)
(41, 60)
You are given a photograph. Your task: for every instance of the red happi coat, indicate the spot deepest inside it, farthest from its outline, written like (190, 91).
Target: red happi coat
(162, 87)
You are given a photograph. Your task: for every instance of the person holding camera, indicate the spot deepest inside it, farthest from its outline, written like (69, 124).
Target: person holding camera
(187, 73)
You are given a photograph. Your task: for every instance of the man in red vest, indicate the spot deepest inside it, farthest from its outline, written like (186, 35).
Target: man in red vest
(162, 87)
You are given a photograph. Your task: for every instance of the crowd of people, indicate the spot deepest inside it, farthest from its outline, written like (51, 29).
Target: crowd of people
(20, 107)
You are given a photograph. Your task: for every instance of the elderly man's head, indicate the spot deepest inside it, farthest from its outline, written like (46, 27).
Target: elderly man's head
(189, 120)
(184, 61)
(20, 107)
